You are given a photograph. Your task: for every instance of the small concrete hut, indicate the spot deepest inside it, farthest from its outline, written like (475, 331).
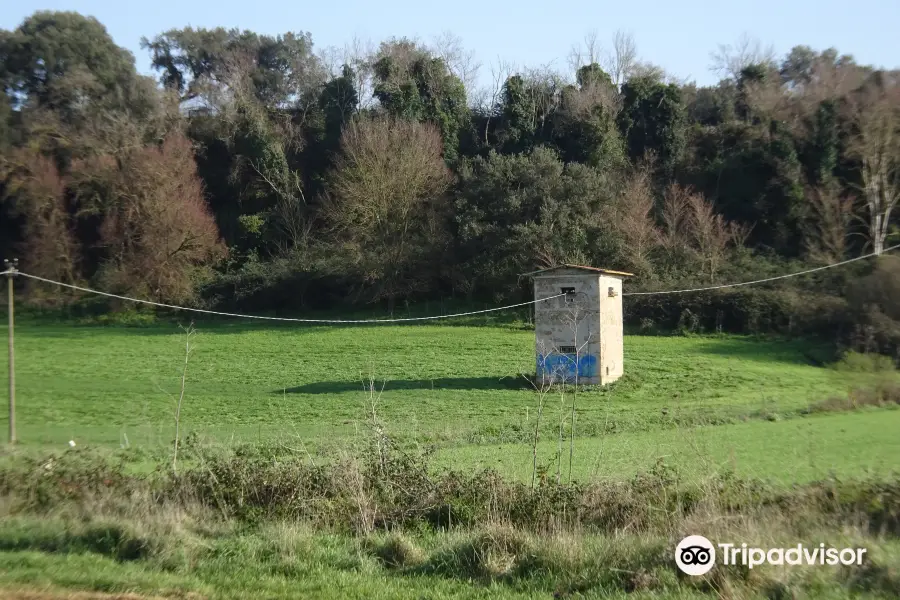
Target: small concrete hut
(579, 334)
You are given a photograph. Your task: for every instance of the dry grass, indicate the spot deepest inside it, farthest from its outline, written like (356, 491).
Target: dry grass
(396, 551)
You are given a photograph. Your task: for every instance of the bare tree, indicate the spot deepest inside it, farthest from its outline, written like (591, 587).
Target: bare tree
(358, 56)
(692, 223)
(676, 217)
(488, 99)
(636, 220)
(619, 61)
(384, 199)
(332, 60)
(583, 336)
(731, 59)
(588, 51)
(829, 226)
(543, 85)
(712, 233)
(767, 97)
(623, 59)
(460, 62)
(872, 117)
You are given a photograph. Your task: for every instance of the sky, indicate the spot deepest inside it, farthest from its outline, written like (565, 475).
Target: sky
(676, 35)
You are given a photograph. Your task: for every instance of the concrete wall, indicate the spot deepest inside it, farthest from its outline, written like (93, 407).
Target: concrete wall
(612, 343)
(592, 324)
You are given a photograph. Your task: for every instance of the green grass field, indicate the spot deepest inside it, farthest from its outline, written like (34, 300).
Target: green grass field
(791, 451)
(459, 388)
(704, 405)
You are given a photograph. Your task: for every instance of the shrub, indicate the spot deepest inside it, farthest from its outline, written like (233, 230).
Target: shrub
(857, 362)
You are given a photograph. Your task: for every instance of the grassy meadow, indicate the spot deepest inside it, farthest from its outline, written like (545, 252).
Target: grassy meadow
(441, 385)
(704, 419)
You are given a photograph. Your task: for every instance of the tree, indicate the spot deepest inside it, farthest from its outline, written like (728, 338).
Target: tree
(584, 124)
(755, 177)
(828, 225)
(692, 224)
(36, 193)
(385, 203)
(620, 61)
(517, 109)
(730, 60)
(822, 145)
(530, 102)
(338, 104)
(515, 213)
(652, 120)
(273, 209)
(635, 217)
(282, 70)
(249, 155)
(820, 76)
(155, 227)
(872, 125)
(413, 85)
(62, 60)
(710, 106)
(623, 59)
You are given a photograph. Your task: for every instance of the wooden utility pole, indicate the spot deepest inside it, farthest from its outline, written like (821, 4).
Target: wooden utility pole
(11, 270)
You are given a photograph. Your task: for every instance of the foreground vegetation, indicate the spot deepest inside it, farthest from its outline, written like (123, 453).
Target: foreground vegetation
(377, 521)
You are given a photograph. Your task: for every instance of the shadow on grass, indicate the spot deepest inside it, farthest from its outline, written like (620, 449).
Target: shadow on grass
(111, 540)
(438, 383)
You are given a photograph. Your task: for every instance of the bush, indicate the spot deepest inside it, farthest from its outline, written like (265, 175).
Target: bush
(390, 490)
(857, 362)
(743, 311)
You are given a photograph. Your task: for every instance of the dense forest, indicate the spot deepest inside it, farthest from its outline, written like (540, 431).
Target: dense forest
(261, 173)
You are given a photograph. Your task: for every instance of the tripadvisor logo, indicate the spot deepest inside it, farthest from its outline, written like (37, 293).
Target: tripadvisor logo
(696, 555)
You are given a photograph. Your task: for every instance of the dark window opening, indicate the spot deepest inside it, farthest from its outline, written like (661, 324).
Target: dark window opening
(570, 294)
(567, 349)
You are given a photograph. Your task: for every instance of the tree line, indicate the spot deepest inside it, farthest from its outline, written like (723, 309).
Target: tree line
(256, 170)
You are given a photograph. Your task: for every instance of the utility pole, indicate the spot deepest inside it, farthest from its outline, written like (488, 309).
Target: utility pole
(11, 270)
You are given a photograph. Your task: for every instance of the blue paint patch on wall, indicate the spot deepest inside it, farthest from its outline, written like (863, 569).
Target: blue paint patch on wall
(566, 366)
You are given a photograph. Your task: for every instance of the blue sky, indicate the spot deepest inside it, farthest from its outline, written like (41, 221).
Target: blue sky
(677, 35)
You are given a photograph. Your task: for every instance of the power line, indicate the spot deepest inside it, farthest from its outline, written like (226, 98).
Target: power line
(731, 285)
(434, 317)
(289, 319)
